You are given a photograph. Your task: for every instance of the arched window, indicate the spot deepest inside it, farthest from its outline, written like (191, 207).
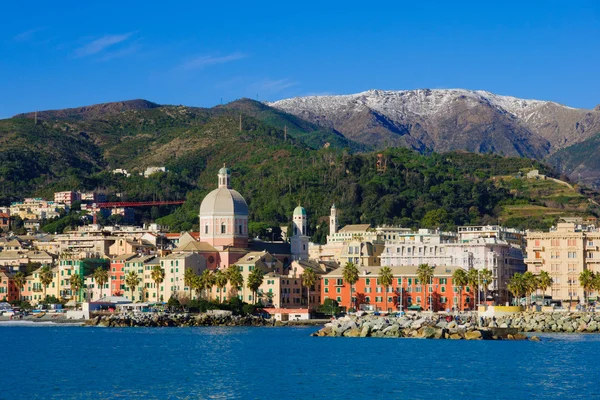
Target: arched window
(241, 229)
(206, 229)
(223, 229)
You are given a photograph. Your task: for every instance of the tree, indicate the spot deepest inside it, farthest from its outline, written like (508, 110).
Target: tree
(235, 278)
(473, 282)
(19, 281)
(207, 280)
(530, 285)
(385, 279)
(158, 276)
(485, 277)
(189, 278)
(309, 278)
(76, 283)
(46, 277)
(544, 282)
(460, 279)
(350, 275)
(101, 278)
(132, 280)
(516, 285)
(330, 306)
(221, 282)
(425, 276)
(255, 279)
(586, 280)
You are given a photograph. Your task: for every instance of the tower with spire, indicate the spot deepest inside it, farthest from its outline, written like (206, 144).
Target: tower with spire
(333, 220)
(300, 238)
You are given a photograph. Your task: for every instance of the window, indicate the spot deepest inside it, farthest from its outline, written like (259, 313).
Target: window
(241, 230)
(206, 229)
(223, 231)
(338, 290)
(572, 254)
(339, 299)
(367, 290)
(340, 282)
(443, 281)
(367, 281)
(378, 299)
(443, 289)
(367, 299)
(553, 242)
(326, 281)
(418, 289)
(378, 289)
(326, 290)
(399, 281)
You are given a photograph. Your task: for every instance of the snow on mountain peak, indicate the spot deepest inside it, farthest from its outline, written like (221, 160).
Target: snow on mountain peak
(398, 104)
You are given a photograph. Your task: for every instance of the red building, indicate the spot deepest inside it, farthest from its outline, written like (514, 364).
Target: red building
(405, 292)
(4, 221)
(117, 274)
(8, 289)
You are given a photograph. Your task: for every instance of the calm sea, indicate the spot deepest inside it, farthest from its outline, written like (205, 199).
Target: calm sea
(275, 363)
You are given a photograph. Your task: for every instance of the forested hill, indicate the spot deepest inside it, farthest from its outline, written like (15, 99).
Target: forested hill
(273, 170)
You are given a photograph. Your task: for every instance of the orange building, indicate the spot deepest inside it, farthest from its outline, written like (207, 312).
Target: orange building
(8, 289)
(405, 292)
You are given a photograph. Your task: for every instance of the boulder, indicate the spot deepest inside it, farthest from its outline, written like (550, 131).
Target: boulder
(455, 336)
(366, 330)
(534, 339)
(429, 333)
(354, 332)
(473, 335)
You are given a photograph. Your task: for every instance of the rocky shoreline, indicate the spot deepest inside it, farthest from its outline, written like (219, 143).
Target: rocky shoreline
(223, 318)
(510, 327)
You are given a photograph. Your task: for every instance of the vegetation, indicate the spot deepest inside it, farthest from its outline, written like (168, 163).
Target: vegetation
(101, 278)
(350, 276)
(460, 279)
(255, 279)
(385, 279)
(425, 276)
(46, 277)
(76, 283)
(235, 278)
(516, 285)
(19, 281)
(221, 281)
(132, 280)
(158, 276)
(330, 306)
(587, 282)
(309, 278)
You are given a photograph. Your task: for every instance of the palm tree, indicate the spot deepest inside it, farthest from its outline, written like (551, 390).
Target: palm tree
(425, 275)
(206, 281)
(101, 278)
(530, 285)
(255, 279)
(473, 282)
(516, 285)
(385, 279)
(309, 278)
(46, 277)
(544, 282)
(235, 278)
(19, 280)
(586, 280)
(460, 279)
(158, 276)
(350, 275)
(132, 280)
(189, 277)
(76, 283)
(221, 282)
(485, 277)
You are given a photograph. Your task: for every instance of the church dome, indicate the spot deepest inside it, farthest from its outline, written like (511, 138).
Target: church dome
(223, 201)
(224, 171)
(299, 212)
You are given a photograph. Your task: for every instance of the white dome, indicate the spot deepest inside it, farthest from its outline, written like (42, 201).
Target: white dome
(223, 201)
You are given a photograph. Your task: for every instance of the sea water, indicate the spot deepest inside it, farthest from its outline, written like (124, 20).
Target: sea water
(63, 362)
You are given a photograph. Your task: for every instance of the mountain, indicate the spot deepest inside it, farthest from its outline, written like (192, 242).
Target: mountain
(580, 162)
(449, 119)
(76, 149)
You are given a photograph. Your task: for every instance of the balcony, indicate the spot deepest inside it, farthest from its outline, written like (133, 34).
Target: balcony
(534, 261)
(537, 248)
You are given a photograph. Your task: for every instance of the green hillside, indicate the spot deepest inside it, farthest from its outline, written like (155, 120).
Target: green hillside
(78, 149)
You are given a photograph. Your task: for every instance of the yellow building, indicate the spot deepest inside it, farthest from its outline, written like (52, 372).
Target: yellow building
(564, 252)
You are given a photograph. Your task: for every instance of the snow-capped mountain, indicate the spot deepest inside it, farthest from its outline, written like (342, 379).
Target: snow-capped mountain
(449, 119)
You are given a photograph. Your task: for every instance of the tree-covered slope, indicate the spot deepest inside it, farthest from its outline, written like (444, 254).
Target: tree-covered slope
(580, 162)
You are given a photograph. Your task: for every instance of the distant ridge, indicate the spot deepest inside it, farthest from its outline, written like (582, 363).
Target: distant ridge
(92, 111)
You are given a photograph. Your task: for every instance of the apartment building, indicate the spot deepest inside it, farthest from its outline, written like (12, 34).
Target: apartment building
(405, 292)
(37, 208)
(564, 252)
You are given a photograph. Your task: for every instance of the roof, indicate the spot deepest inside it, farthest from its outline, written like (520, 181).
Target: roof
(271, 247)
(197, 246)
(113, 299)
(4, 215)
(355, 228)
(299, 211)
(224, 171)
(439, 271)
(223, 201)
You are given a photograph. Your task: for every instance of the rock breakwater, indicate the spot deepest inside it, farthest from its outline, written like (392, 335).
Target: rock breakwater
(563, 322)
(174, 320)
(416, 326)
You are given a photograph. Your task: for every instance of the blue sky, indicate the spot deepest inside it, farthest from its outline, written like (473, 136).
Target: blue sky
(67, 54)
